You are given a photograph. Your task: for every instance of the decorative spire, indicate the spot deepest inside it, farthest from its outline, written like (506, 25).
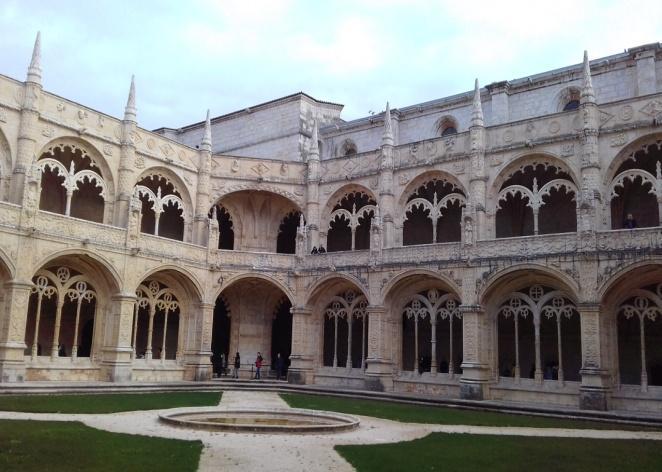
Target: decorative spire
(387, 137)
(34, 71)
(477, 108)
(588, 94)
(314, 149)
(206, 137)
(130, 110)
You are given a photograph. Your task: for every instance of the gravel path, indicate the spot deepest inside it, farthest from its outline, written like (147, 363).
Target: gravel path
(284, 452)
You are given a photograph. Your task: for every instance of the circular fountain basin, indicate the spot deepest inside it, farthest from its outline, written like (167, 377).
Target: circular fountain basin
(276, 420)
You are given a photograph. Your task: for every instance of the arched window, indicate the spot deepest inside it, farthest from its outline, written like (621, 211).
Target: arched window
(634, 189)
(350, 221)
(345, 331)
(71, 183)
(639, 323)
(162, 207)
(156, 322)
(225, 227)
(61, 314)
(568, 99)
(432, 333)
(348, 148)
(446, 126)
(287, 233)
(538, 198)
(432, 214)
(539, 335)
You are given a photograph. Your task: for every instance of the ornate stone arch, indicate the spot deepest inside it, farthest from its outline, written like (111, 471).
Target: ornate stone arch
(392, 285)
(225, 283)
(508, 279)
(296, 201)
(178, 184)
(446, 125)
(7, 266)
(565, 96)
(184, 281)
(88, 150)
(347, 148)
(639, 144)
(85, 260)
(338, 195)
(326, 283)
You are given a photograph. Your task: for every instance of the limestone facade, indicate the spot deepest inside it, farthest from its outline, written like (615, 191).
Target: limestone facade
(478, 246)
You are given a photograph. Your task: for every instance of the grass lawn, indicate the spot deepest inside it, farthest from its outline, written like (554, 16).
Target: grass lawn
(436, 414)
(463, 452)
(72, 446)
(106, 403)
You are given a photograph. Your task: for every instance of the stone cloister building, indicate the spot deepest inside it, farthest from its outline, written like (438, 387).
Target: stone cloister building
(477, 246)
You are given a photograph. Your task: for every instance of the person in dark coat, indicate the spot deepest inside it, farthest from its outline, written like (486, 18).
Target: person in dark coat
(280, 365)
(237, 364)
(629, 222)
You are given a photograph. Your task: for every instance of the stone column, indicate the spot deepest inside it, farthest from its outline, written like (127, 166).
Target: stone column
(200, 220)
(198, 358)
(379, 372)
(116, 356)
(12, 330)
(475, 369)
(386, 167)
(594, 391)
(301, 358)
(312, 191)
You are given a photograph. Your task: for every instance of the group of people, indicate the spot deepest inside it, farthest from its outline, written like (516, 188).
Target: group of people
(220, 365)
(321, 250)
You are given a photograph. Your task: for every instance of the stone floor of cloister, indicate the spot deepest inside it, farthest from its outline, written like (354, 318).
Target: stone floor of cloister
(291, 452)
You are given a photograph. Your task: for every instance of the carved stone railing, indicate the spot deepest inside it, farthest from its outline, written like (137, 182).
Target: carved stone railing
(160, 246)
(421, 253)
(336, 260)
(10, 215)
(526, 246)
(628, 239)
(254, 260)
(67, 227)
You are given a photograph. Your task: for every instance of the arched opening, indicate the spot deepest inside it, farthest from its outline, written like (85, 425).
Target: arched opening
(538, 335)
(68, 305)
(287, 233)
(246, 324)
(220, 338)
(253, 220)
(538, 198)
(156, 322)
(633, 190)
(569, 99)
(432, 213)
(350, 221)
(348, 148)
(639, 333)
(345, 330)
(71, 183)
(225, 227)
(162, 207)
(447, 126)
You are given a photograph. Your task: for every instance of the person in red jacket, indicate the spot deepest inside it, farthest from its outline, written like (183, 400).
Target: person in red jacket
(258, 365)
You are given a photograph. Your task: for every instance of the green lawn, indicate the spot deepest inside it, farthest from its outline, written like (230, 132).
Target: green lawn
(106, 403)
(463, 452)
(72, 446)
(436, 414)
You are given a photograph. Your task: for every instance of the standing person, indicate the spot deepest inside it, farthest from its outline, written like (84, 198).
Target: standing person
(279, 366)
(221, 364)
(237, 364)
(258, 365)
(629, 222)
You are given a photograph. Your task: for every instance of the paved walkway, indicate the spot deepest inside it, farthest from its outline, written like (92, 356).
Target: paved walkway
(283, 452)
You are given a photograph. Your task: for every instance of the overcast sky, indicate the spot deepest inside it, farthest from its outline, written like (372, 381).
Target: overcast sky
(225, 55)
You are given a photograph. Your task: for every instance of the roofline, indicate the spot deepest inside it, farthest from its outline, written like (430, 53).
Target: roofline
(248, 110)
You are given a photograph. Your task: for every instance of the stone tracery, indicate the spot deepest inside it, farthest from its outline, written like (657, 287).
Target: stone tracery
(340, 315)
(155, 301)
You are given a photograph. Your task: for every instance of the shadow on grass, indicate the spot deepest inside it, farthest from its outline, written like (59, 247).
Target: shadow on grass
(106, 403)
(464, 452)
(71, 446)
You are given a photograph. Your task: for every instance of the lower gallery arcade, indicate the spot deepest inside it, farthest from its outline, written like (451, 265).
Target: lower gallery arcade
(534, 342)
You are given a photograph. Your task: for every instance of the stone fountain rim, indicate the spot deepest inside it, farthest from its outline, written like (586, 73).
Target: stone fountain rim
(345, 422)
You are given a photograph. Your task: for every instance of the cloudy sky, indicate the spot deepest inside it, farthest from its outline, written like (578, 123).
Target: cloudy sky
(226, 55)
